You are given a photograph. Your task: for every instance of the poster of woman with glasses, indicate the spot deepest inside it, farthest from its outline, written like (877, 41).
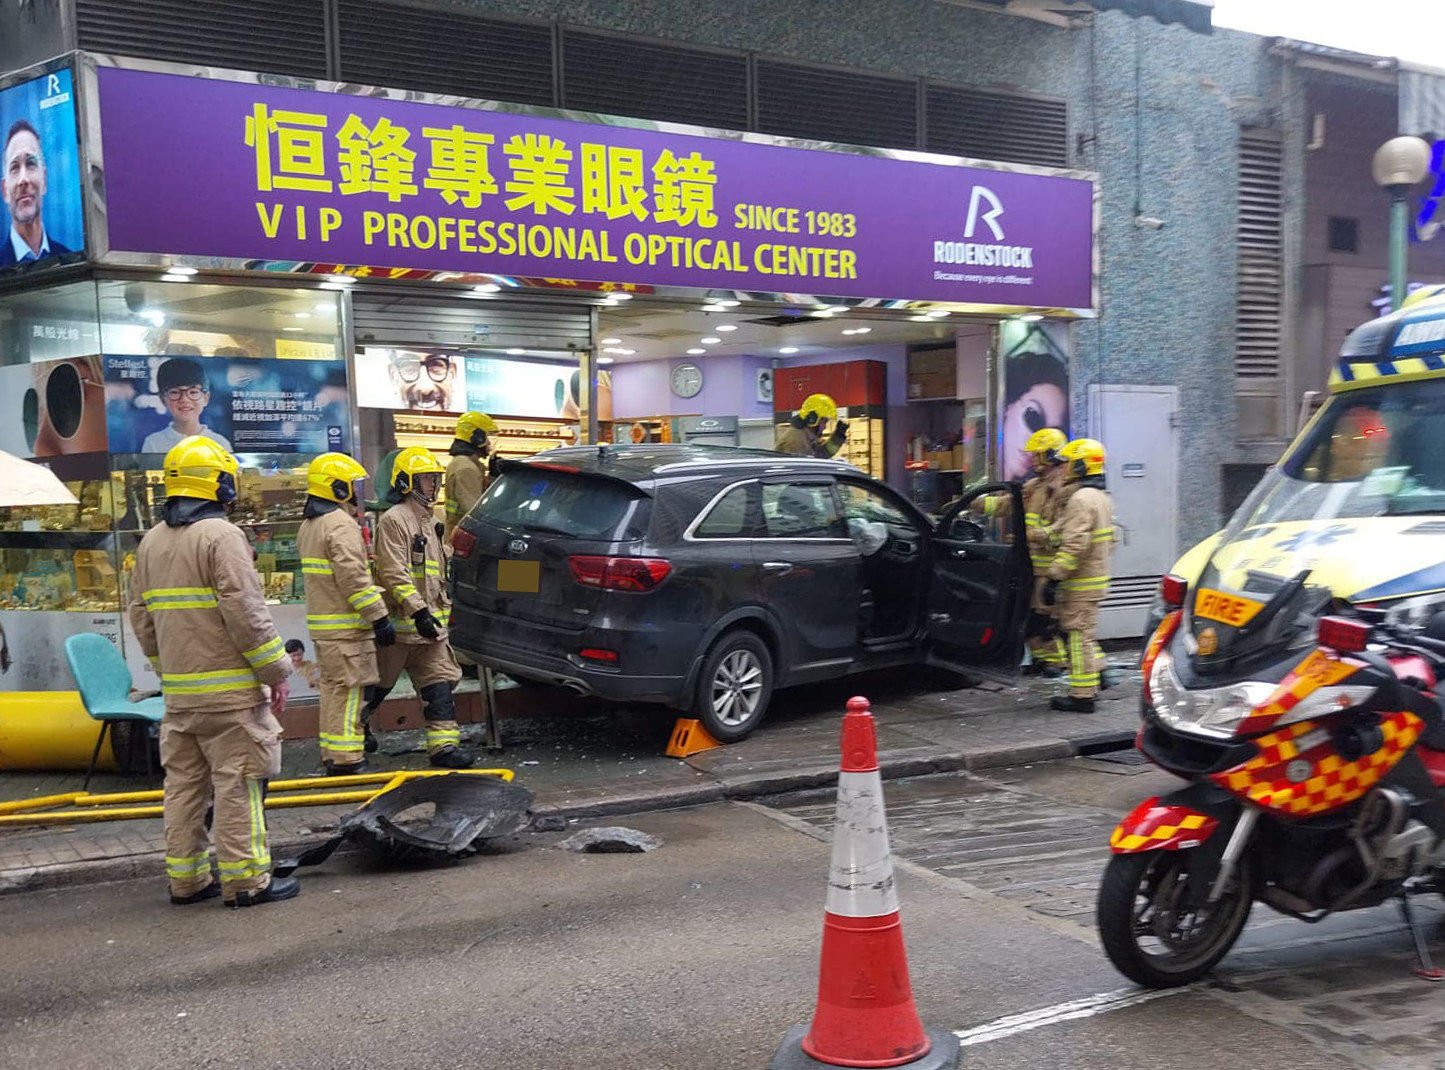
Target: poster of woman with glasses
(1034, 393)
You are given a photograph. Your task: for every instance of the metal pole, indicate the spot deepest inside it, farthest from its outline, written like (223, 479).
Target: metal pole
(1399, 243)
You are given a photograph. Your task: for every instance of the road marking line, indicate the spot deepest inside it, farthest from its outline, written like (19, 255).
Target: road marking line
(1088, 1007)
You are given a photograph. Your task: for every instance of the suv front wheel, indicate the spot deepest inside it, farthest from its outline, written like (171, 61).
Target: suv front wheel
(734, 687)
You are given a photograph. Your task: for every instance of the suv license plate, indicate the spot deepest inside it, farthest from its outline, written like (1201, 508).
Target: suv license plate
(519, 577)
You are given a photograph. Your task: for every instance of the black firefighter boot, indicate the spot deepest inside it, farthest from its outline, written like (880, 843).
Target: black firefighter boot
(375, 696)
(439, 706)
(1071, 704)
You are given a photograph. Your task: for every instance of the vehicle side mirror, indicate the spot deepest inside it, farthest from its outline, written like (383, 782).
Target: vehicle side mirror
(964, 528)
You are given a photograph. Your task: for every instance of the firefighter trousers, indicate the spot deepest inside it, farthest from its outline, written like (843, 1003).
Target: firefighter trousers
(221, 757)
(348, 668)
(1079, 621)
(434, 672)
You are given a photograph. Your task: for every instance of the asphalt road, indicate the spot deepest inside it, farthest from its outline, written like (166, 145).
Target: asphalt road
(699, 954)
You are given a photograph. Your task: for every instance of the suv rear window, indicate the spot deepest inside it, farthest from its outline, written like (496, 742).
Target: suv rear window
(565, 503)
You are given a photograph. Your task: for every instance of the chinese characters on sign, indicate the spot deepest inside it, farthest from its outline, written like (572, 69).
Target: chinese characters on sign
(288, 174)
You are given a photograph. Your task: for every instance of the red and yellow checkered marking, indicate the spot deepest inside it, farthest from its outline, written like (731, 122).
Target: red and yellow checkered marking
(1154, 827)
(1318, 670)
(1332, 783)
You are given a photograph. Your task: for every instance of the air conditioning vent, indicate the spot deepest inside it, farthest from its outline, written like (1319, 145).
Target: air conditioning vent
(997, 126)
(826, 105)
(670, 83)
(1259, 249)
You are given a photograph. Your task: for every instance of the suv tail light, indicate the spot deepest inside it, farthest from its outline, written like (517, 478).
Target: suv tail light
(620, 573)
(463, 542)
(1172, 590)
(1343, 634)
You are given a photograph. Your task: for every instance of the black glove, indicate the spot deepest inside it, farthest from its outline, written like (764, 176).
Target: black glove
(841, 429)
(384, 631)
(494, 466)
(427, 626)
(1049, 596)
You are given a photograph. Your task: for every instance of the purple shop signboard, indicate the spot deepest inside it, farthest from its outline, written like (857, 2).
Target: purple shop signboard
(270, 173)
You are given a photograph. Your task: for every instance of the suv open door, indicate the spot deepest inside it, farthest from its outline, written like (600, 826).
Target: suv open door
(980, 584)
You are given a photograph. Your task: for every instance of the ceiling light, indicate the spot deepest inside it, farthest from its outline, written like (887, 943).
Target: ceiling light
(303, 315)
(921, 318)
(344, 280)
(486, 288)
(837, 308)
(696, 351)
(612, 341)
(729, 303)
(514, 352)
(936, 314)
(710, 340)
(619, 297)
(619, 351)
(726, 327)
(333, 286)
(1032, 317)
(788, 349)
(325, 306)
(861, 330)
(605, 360)
(171, 277)
(713, 308)
(291, 328)
(822, 313)
(180, 271)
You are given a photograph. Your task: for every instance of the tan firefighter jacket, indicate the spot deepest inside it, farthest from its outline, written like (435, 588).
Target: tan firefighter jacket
(341, 600)
(1082, 536)
(199, 614)
(1040, 505)
(409, 568)
(465, 482)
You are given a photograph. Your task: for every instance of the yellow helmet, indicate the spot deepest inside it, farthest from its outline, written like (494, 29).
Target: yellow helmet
(1045, 443)
(412, 462)
(333, 476)
(817, 408)
(197, 467)
(470, 424)
(1084, 456)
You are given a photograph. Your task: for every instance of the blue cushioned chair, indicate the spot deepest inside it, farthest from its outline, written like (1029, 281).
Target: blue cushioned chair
(104, 683)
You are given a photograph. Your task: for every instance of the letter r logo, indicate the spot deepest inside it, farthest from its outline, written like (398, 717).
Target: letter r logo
(995, 209)
(52, 85)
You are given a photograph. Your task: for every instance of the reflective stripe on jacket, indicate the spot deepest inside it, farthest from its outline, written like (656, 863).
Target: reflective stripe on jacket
(409, 568)
(341, 599)
(1083, 536)
(199, 614)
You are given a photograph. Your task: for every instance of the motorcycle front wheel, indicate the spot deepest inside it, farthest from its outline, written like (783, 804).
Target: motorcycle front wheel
(1151, 931)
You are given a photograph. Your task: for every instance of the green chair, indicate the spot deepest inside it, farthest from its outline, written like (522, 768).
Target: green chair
(104, 683)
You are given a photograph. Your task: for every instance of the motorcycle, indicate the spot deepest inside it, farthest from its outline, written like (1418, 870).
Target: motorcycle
(1315, 751)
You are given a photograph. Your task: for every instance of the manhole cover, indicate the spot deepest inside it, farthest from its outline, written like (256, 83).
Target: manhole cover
(1121, 757)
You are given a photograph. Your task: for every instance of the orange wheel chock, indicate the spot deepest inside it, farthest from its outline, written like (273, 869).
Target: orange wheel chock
(689, 737)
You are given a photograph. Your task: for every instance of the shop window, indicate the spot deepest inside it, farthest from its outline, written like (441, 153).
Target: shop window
(650, 80)
(802, 511)
(283, 36)
(1344, 234)
(49, 324)
(843, 106)
(996, 126)
(435, 51)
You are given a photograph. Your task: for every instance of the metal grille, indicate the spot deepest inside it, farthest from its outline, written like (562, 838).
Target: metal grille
(619, 76)
(1260, 253)
(278, 36)
(409, 47)
(1131, 592)
(996, 126)
(827, 105)
(486, 323)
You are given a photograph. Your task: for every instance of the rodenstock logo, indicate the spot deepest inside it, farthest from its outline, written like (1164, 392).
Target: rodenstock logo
(985, 209)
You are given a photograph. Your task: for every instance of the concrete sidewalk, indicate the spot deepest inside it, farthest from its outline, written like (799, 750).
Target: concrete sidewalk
(614, 764)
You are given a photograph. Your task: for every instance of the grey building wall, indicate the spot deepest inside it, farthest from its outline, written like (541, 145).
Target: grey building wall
(1154, 109)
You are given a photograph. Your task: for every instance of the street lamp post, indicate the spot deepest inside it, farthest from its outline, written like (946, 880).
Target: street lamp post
(1399, 165)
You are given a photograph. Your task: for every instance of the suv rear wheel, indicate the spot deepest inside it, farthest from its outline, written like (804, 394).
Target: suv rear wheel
(734, 687)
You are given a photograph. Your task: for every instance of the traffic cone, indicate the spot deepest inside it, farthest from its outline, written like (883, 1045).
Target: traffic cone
(865, 1014)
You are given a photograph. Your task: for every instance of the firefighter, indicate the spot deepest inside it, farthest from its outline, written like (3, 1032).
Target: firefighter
(468, 474)
(803, 436)
(344, 609)
(200, 616)
(409, 562)
(1040, 498)
(1078, 576)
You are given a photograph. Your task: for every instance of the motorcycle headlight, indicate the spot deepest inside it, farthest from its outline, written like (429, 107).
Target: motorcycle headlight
(1214, 712)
